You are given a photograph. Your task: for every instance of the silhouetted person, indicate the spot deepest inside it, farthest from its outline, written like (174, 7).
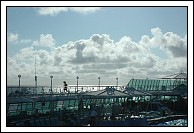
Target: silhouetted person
(65, 86)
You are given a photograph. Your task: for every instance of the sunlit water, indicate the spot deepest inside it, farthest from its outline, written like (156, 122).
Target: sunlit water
(179, 122)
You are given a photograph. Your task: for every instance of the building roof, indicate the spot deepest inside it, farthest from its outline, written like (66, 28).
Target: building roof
(112, 92)
(108, 91)
(133, 92)
(180, 75)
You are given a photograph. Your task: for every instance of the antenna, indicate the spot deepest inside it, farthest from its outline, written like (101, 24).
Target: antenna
(35, 67)
(181, 70)
(35, 73)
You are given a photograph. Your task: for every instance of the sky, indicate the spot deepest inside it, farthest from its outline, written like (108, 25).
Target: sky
(92, 42)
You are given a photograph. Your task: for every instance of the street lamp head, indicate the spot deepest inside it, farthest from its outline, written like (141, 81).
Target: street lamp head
(77, 77)
(19, 76)
(98, 77)
(116, 78)
(51, 76)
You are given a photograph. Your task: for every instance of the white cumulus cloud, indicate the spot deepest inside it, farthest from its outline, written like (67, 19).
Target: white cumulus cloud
(170, 43)
(45, 41)
(84, 10)
(25, 41)
(13, 38)
(101, 55)
(56, 10)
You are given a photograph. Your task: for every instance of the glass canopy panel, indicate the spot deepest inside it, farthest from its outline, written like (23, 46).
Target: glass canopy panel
(151, 84)
(24, 106)
(13, 107)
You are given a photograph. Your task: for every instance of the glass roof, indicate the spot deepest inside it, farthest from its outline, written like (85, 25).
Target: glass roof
(155, 84)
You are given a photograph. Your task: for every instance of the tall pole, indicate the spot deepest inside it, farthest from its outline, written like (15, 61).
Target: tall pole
(77, 83)
(117, 82)
(78, 103)
(19, 76)
(51, 102)
(35, 87)
(99, 82)
(35, 84)
(51, 85)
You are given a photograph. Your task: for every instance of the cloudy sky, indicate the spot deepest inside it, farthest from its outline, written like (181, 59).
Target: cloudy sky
(92, 42)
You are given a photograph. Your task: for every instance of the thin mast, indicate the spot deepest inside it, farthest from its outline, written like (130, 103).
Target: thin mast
(35, 74)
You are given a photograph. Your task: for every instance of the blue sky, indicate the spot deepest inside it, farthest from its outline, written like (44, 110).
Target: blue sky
(115, 21)
(133, 41)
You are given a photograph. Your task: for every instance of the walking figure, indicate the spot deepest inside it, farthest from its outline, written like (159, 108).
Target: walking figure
(65, 86)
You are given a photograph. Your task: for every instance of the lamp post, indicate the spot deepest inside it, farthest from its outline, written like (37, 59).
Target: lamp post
(51, 102)
(35, 89)
(99, 82)
(51, 84)
(19, 76)
(77, 83)
(117, 82)
(78, 120)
